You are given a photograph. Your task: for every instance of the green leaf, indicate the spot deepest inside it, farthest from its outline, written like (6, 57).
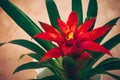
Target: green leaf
(111, 43)
(92, 9)
(108, 61)
(108, 64)
(23, 21)
(53, 13)
(35, 65)
(111, 22)
(32, 65)
(113, 75)
(32, 55)
(77, 6)
(34, 47)
(28, 44)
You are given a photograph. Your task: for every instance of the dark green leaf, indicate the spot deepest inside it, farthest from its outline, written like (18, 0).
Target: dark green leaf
(113, 75)
(108, 61)
(108, 64)
(33, 55)
(32, 46)
(111, 43)
(28, 44)
(23, 21)
(77, 6)
(35, 65)
(53, 13)
(92, 9)
(32, 65)
(111, 22)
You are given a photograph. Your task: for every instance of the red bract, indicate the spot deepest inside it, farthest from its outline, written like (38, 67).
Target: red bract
(73, 41)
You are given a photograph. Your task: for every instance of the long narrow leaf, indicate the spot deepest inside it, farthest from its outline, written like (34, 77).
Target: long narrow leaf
(112, 42)
(32, 46)
(108, 64)
(108, 61)
(35, 65)
(32, 65)
(113, 75)
(53, 13)
(111, 22)
(29, 45)
(92, 10)
(32, 55)
(23, 21)
(77, 6)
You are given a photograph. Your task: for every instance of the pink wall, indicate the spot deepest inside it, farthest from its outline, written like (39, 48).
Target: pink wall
(9, 58)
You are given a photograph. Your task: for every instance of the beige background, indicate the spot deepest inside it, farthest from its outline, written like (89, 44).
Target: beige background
(9, 54)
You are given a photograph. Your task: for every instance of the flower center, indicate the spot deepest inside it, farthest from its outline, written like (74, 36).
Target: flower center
(70, 36)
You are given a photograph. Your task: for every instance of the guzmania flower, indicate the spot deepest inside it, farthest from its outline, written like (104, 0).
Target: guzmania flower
(73, 40)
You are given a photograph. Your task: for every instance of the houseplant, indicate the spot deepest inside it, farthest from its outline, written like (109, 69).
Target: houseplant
(77, 48)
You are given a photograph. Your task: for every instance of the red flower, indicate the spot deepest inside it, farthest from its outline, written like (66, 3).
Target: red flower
(73, 41)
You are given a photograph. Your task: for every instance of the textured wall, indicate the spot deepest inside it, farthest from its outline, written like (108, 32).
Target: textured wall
(35, 9)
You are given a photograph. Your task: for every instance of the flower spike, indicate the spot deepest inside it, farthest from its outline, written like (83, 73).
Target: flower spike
(74, 40)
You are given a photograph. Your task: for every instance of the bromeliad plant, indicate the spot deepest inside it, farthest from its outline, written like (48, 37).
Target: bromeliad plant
(70, 49)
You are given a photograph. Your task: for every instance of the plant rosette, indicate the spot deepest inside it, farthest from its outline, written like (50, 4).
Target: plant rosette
(46, 72)
(69, 49)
